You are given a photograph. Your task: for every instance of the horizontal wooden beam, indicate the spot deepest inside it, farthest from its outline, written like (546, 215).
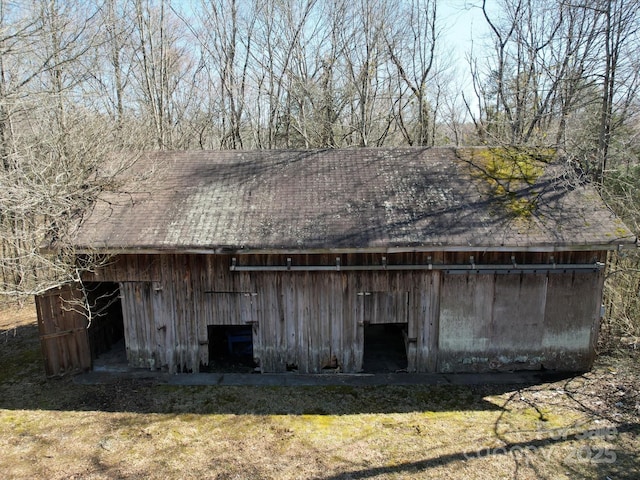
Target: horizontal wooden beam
(620, 244)
(512, 268)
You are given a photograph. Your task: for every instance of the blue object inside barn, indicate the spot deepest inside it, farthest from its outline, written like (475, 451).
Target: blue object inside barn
(240, 342)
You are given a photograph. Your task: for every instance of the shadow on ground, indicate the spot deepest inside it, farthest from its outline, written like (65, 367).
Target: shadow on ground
(596, 396)
(23, 385)
(618, 464)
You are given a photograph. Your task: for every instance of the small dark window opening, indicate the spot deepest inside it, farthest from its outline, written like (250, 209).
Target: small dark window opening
(230, 349)
(106, 331)
(384, 348)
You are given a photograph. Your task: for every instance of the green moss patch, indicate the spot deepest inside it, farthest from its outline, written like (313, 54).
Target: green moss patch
(510, 173)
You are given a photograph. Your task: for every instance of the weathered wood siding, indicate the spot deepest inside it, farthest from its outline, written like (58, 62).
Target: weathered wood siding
(315, 319)
(63, 331)
(527, 321)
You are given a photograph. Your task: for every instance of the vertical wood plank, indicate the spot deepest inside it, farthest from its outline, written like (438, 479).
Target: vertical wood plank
(63, 334)
(571, 320)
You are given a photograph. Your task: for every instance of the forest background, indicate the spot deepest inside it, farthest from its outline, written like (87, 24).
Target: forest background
(81, 80)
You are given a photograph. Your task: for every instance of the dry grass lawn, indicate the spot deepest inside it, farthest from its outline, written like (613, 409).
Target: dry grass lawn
(582, 427)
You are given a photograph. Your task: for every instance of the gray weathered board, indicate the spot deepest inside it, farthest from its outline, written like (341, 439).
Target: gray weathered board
(315, 319)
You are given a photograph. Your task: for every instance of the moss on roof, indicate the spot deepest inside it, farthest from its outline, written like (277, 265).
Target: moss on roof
(508, 172)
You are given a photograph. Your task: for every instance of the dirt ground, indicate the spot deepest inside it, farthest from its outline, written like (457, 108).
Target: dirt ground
(585, 426)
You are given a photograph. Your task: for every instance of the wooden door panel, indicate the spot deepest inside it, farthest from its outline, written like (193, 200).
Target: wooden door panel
(63, 331)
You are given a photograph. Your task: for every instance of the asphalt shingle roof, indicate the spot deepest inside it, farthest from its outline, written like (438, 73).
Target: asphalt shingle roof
(367, 199)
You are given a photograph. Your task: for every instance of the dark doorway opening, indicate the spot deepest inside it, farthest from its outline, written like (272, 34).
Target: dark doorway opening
(230, 349)
(106, 331)
(384, 348)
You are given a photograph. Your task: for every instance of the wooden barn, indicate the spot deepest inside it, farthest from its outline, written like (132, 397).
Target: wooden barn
(354, 260)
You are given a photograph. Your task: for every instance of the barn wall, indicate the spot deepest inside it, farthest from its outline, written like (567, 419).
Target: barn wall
(572, 321)
(315, 320)
(62, 325)
(529, 321)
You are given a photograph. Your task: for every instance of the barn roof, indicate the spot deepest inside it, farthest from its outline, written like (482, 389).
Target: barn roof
(350, 199)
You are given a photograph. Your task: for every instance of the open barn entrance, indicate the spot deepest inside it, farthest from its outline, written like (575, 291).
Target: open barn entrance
(384, 348)
(230, 349)
(106, 332)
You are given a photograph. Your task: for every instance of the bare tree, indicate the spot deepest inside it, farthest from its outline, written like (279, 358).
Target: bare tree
(310, 99)
(554, 60)
(163, 64)
(54, 148)
(280, 53)
(413, 51)
(620, 23)
(224, 34)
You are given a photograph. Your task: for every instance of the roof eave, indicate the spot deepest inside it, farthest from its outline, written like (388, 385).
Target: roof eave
(620, 244)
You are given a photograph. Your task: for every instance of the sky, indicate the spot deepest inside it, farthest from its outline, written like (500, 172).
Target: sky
(464, 21)
(464, 27)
